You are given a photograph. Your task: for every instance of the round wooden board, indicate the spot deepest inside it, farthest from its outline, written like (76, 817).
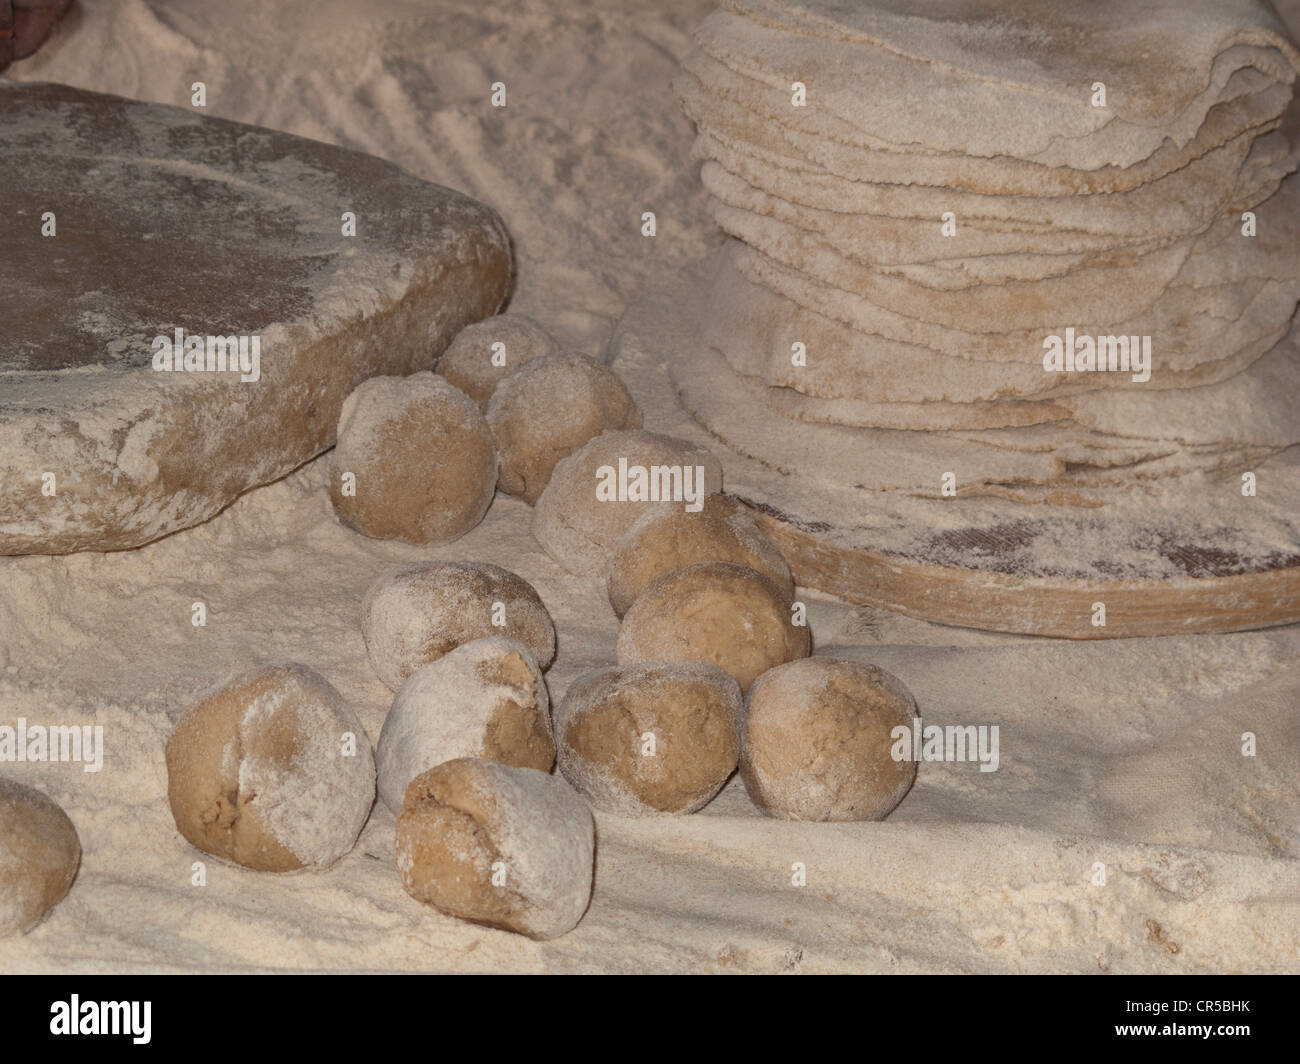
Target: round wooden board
(1203, 563)
(122, 222)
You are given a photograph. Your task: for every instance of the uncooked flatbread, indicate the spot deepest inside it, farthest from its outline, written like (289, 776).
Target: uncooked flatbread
(1216, 265)
(1214, 332)
(167, 219)
(1257, 404)
(876, 238)
(732, 409)
(1177, 204)
(993, 78)
(716, 97)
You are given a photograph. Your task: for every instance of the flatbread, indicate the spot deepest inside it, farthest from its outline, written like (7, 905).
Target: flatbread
(1164, 65)
(733, 409)
(718, 98)
(878, 239)
(1237, 176)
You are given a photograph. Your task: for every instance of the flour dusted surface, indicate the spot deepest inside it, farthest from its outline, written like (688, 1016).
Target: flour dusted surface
(942, 890)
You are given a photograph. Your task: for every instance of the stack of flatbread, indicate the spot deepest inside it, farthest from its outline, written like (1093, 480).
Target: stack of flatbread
(926, 200)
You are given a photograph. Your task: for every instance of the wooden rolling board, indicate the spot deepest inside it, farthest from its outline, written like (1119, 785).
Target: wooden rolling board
(122, 222)
(1205, 560)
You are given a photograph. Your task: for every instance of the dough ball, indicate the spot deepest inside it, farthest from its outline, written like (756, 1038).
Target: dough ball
(669, 537)
(596, 494)
(471, 364)
(546, 411)
(645, 739)
(39, 855)
(263, 772)
(816, 741)
(484, 699)
(718, 612)
(416, 613)
(468, 822)
(422, 456)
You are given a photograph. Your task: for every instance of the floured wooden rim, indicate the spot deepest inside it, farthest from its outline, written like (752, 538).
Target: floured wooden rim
(1201, 563)
(998, 602)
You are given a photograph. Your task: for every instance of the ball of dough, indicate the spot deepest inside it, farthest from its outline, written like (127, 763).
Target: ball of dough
(272, 771)
(416, 613)
(422, 462)
(473, 365)
(645, 739)
(596, 494)
(546, 411)
(509, 847)
(39, 855)
(484, 699)
(718, 612)
(816, 742)
(669, 537)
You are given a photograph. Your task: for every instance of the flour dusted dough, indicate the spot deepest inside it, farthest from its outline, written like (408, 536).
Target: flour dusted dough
(262, 772)
(39, 855)
(471, 363)
(422, 456)
(717, 612)
(507, 847)
(546, 411)
(578, 529)
(484, 699)
(415, 613)
(645, 739)
(816, 741)
(669, 537)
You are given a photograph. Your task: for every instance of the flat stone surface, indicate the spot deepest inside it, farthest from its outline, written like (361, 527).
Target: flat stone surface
(167, 219)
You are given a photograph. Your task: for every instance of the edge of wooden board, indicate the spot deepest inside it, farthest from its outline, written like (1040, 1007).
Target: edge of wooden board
(1063, 608)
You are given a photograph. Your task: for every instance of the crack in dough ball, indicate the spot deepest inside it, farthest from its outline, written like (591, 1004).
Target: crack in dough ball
(816, 743)
(416, 613)
(420, 455)
(648, 739)
(272, 771)
(725, 614)
(508, 847)
(39, 857)
(546, 411)
(669, 537)
(578, 521)
(473, 365)
(484, 699)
